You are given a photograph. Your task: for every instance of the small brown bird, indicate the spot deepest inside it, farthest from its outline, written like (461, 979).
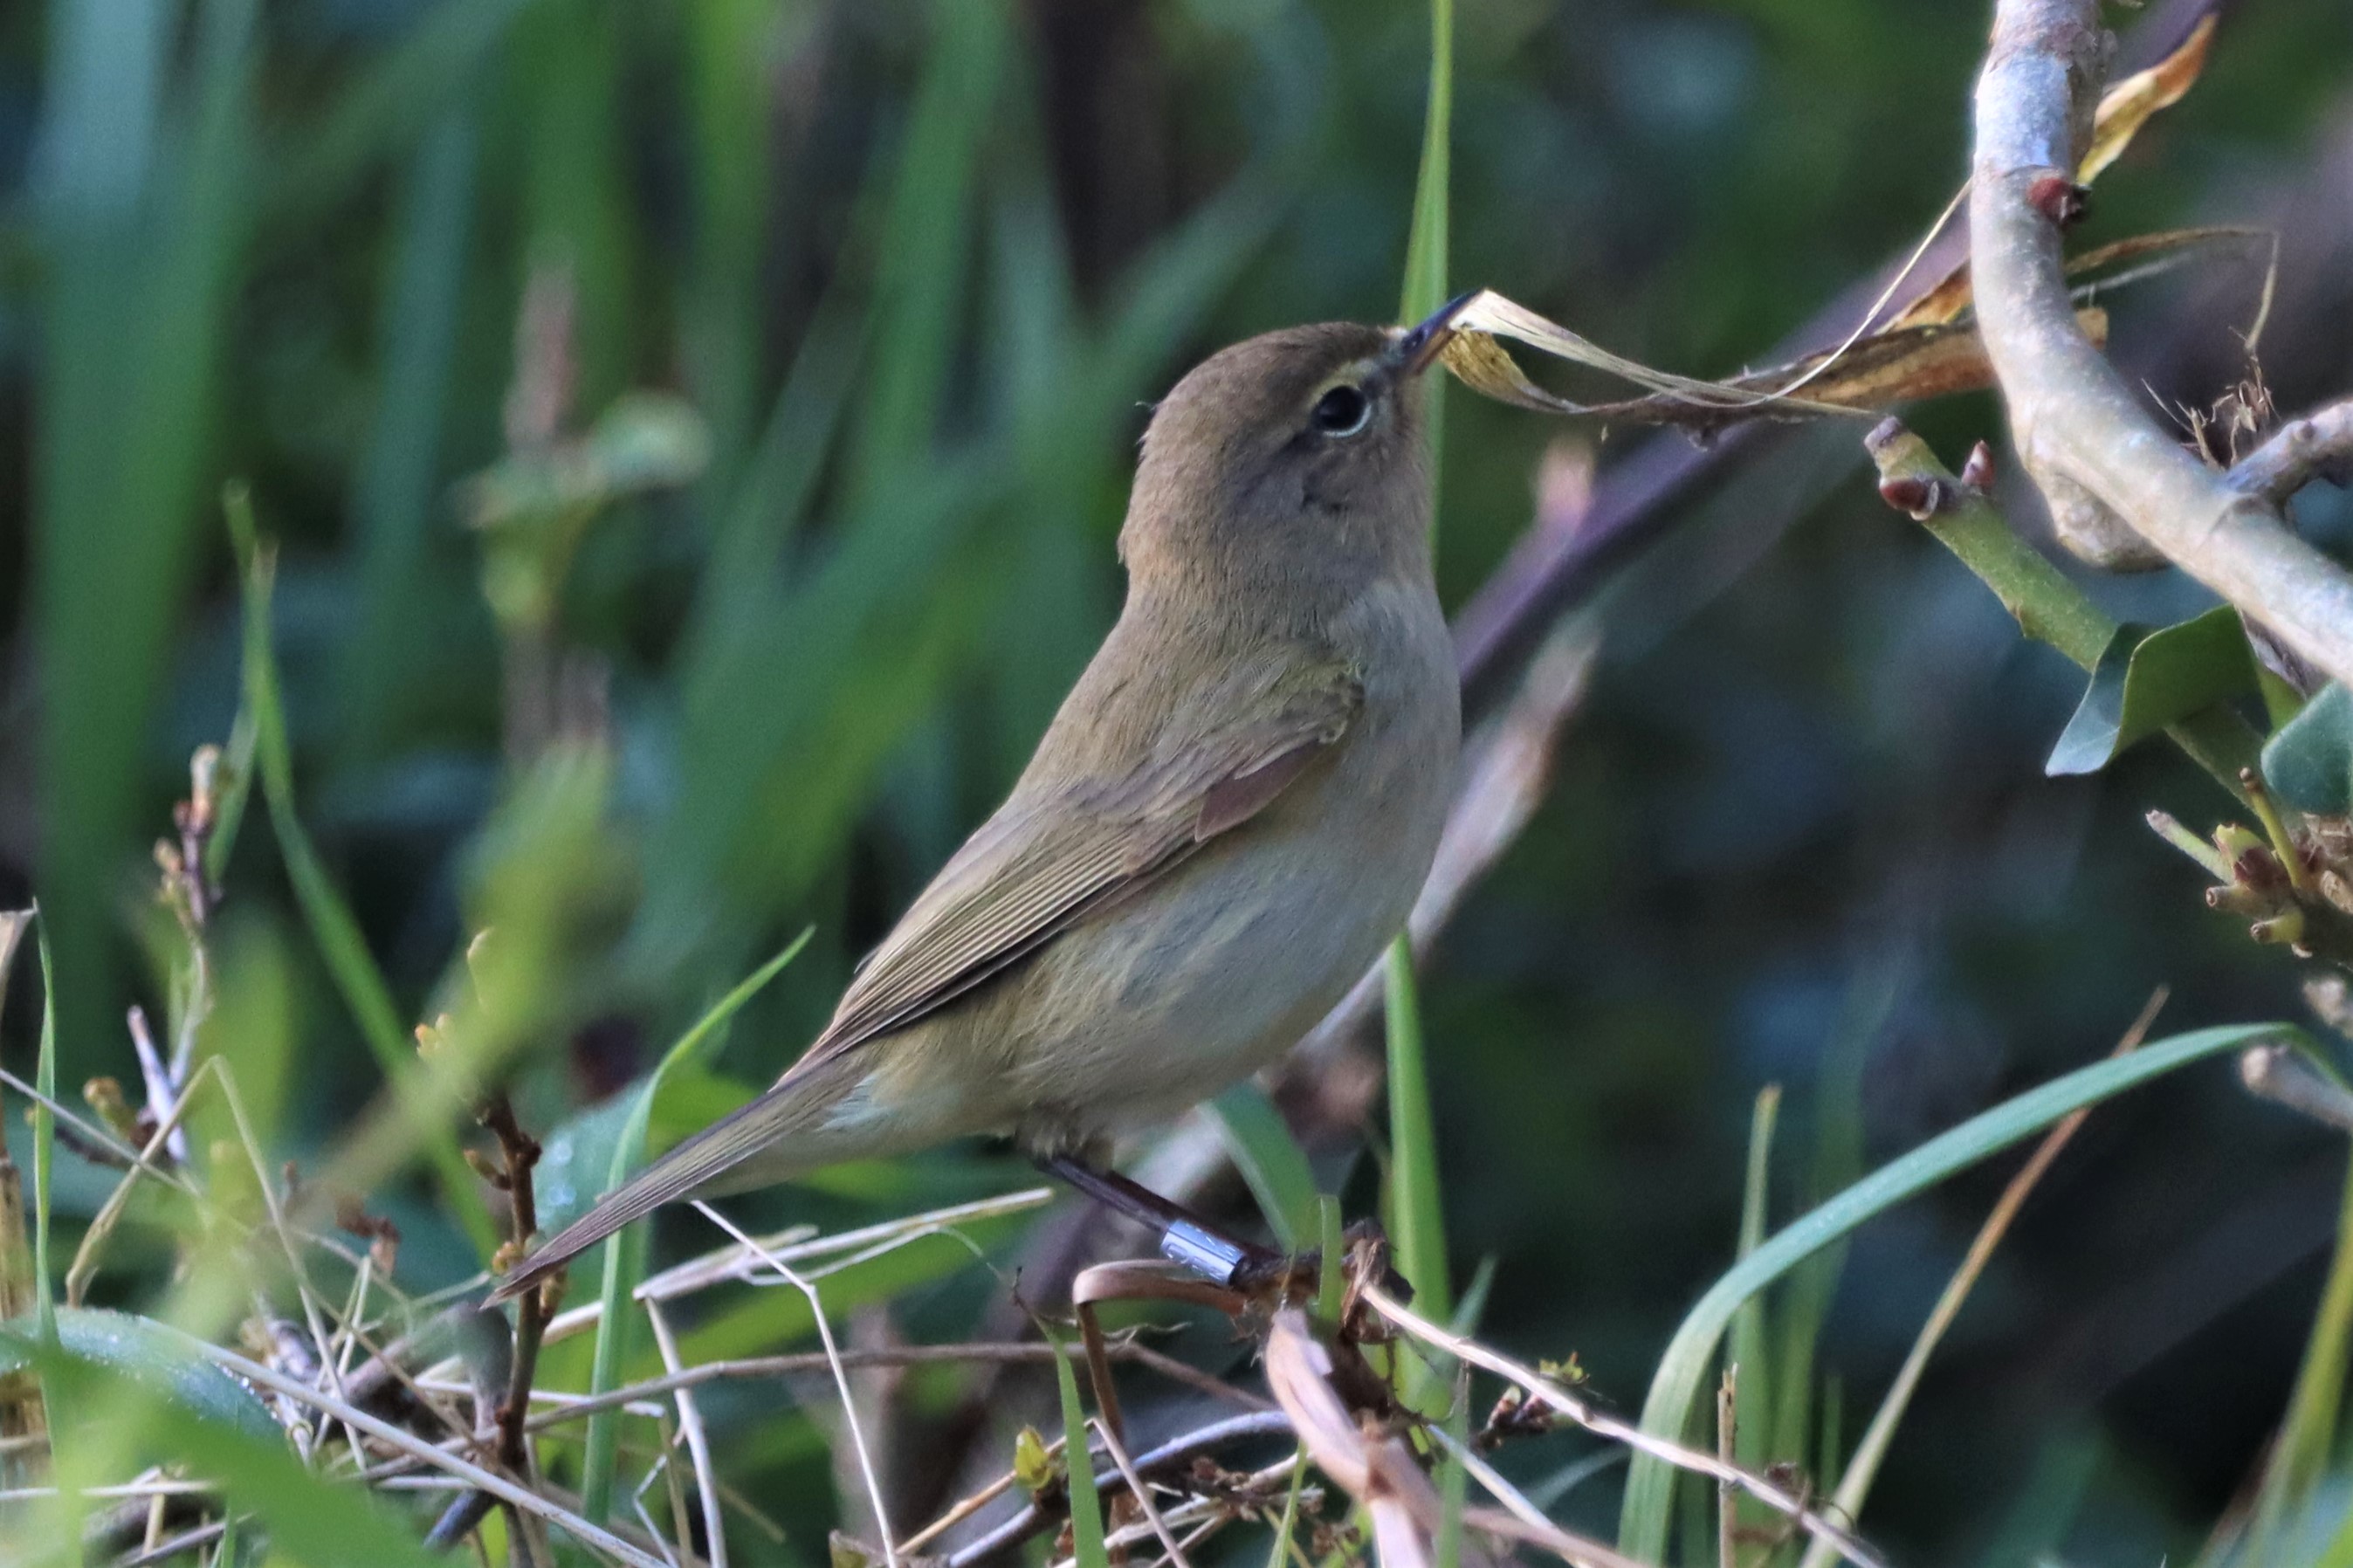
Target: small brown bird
(1229, 818)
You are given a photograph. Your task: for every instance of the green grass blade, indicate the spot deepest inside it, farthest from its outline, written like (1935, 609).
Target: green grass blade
(728, 58)
(1330, 1281)
(2308, 1434)
(1804, 1300)
(924, 260)
(45, 1132)
(624, 1259)
(1472, 1307)
(399, 493)
(1419, 1216)
(1270, 1159)
(1417, 1221)
(329, 919)
(1753, 1393)
(144, 202)
(2036, 1526)
(1453, 1489)
(435, 63)
(1426, 245)
(1690, 1356)
(236, 790)
(1087, 1547)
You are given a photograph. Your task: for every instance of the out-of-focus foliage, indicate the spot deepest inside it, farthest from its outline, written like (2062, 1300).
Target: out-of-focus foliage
(743, 390)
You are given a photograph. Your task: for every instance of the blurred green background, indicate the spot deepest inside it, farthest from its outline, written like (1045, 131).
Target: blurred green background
(747, 389)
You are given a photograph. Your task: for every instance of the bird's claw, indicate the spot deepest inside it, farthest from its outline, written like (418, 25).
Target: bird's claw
(1262, 1269)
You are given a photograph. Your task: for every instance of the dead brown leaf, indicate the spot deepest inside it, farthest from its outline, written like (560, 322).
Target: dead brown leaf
(2129, 104)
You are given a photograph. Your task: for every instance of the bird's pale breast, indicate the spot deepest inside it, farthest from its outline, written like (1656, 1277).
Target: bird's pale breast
(1142, 1012)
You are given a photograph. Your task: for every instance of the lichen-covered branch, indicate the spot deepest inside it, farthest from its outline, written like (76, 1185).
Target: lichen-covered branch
(2096, 452)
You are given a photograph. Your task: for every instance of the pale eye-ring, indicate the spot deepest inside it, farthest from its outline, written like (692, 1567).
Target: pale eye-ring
(1343, 410)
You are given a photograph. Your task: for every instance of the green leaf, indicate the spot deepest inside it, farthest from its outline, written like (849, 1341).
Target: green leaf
(2146, 681)
(1270, 1159)
(1690, 1356)
(646, 441)
(2309, 764)
(624, 1257)
(2282, 702)
(156, 1358)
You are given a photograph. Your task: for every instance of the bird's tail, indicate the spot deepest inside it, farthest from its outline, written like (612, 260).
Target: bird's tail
(784, 1127)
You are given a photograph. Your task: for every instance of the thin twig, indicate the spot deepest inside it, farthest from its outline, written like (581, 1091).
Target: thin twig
(1593, 1419)
(575, 1407)
(163, 1550)
(698, 1441)
(2317, 447)
(1213, 1514)
(519, 1153)
(737, 1261)
(162, 1092)
(840, 1378)
(417, 1447)
(102, 1226)
(680, 1522)
(1540, 1530)
(1175, 1453)
(110, 1150)
(1141, 1493)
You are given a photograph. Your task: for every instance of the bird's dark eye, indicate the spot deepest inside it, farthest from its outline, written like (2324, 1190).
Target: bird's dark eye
(1342, 411)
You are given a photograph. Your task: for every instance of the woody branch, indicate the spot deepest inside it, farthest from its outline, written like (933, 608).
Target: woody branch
(2096, 453)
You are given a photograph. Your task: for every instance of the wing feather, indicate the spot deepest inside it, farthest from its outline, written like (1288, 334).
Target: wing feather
(1051, 858)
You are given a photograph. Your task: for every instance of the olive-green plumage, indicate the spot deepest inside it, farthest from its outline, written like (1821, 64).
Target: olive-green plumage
(1228, 819)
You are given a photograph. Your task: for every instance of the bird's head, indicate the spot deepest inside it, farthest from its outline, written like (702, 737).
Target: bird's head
(1296, 457)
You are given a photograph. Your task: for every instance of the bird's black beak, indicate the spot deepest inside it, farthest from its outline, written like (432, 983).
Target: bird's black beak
(1417, 347)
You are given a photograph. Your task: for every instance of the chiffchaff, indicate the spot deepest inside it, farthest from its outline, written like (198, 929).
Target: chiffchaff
(1227, 821)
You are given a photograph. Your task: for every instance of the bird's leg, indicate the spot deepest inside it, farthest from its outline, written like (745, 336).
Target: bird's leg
(1186, 1239)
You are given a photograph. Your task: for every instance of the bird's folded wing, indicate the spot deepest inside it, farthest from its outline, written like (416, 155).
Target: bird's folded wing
(1047, 860)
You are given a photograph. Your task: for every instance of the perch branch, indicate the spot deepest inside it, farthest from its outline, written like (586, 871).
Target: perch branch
(2093, 450)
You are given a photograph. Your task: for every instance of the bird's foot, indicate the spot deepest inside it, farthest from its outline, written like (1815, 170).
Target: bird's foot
(1365, 1256)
